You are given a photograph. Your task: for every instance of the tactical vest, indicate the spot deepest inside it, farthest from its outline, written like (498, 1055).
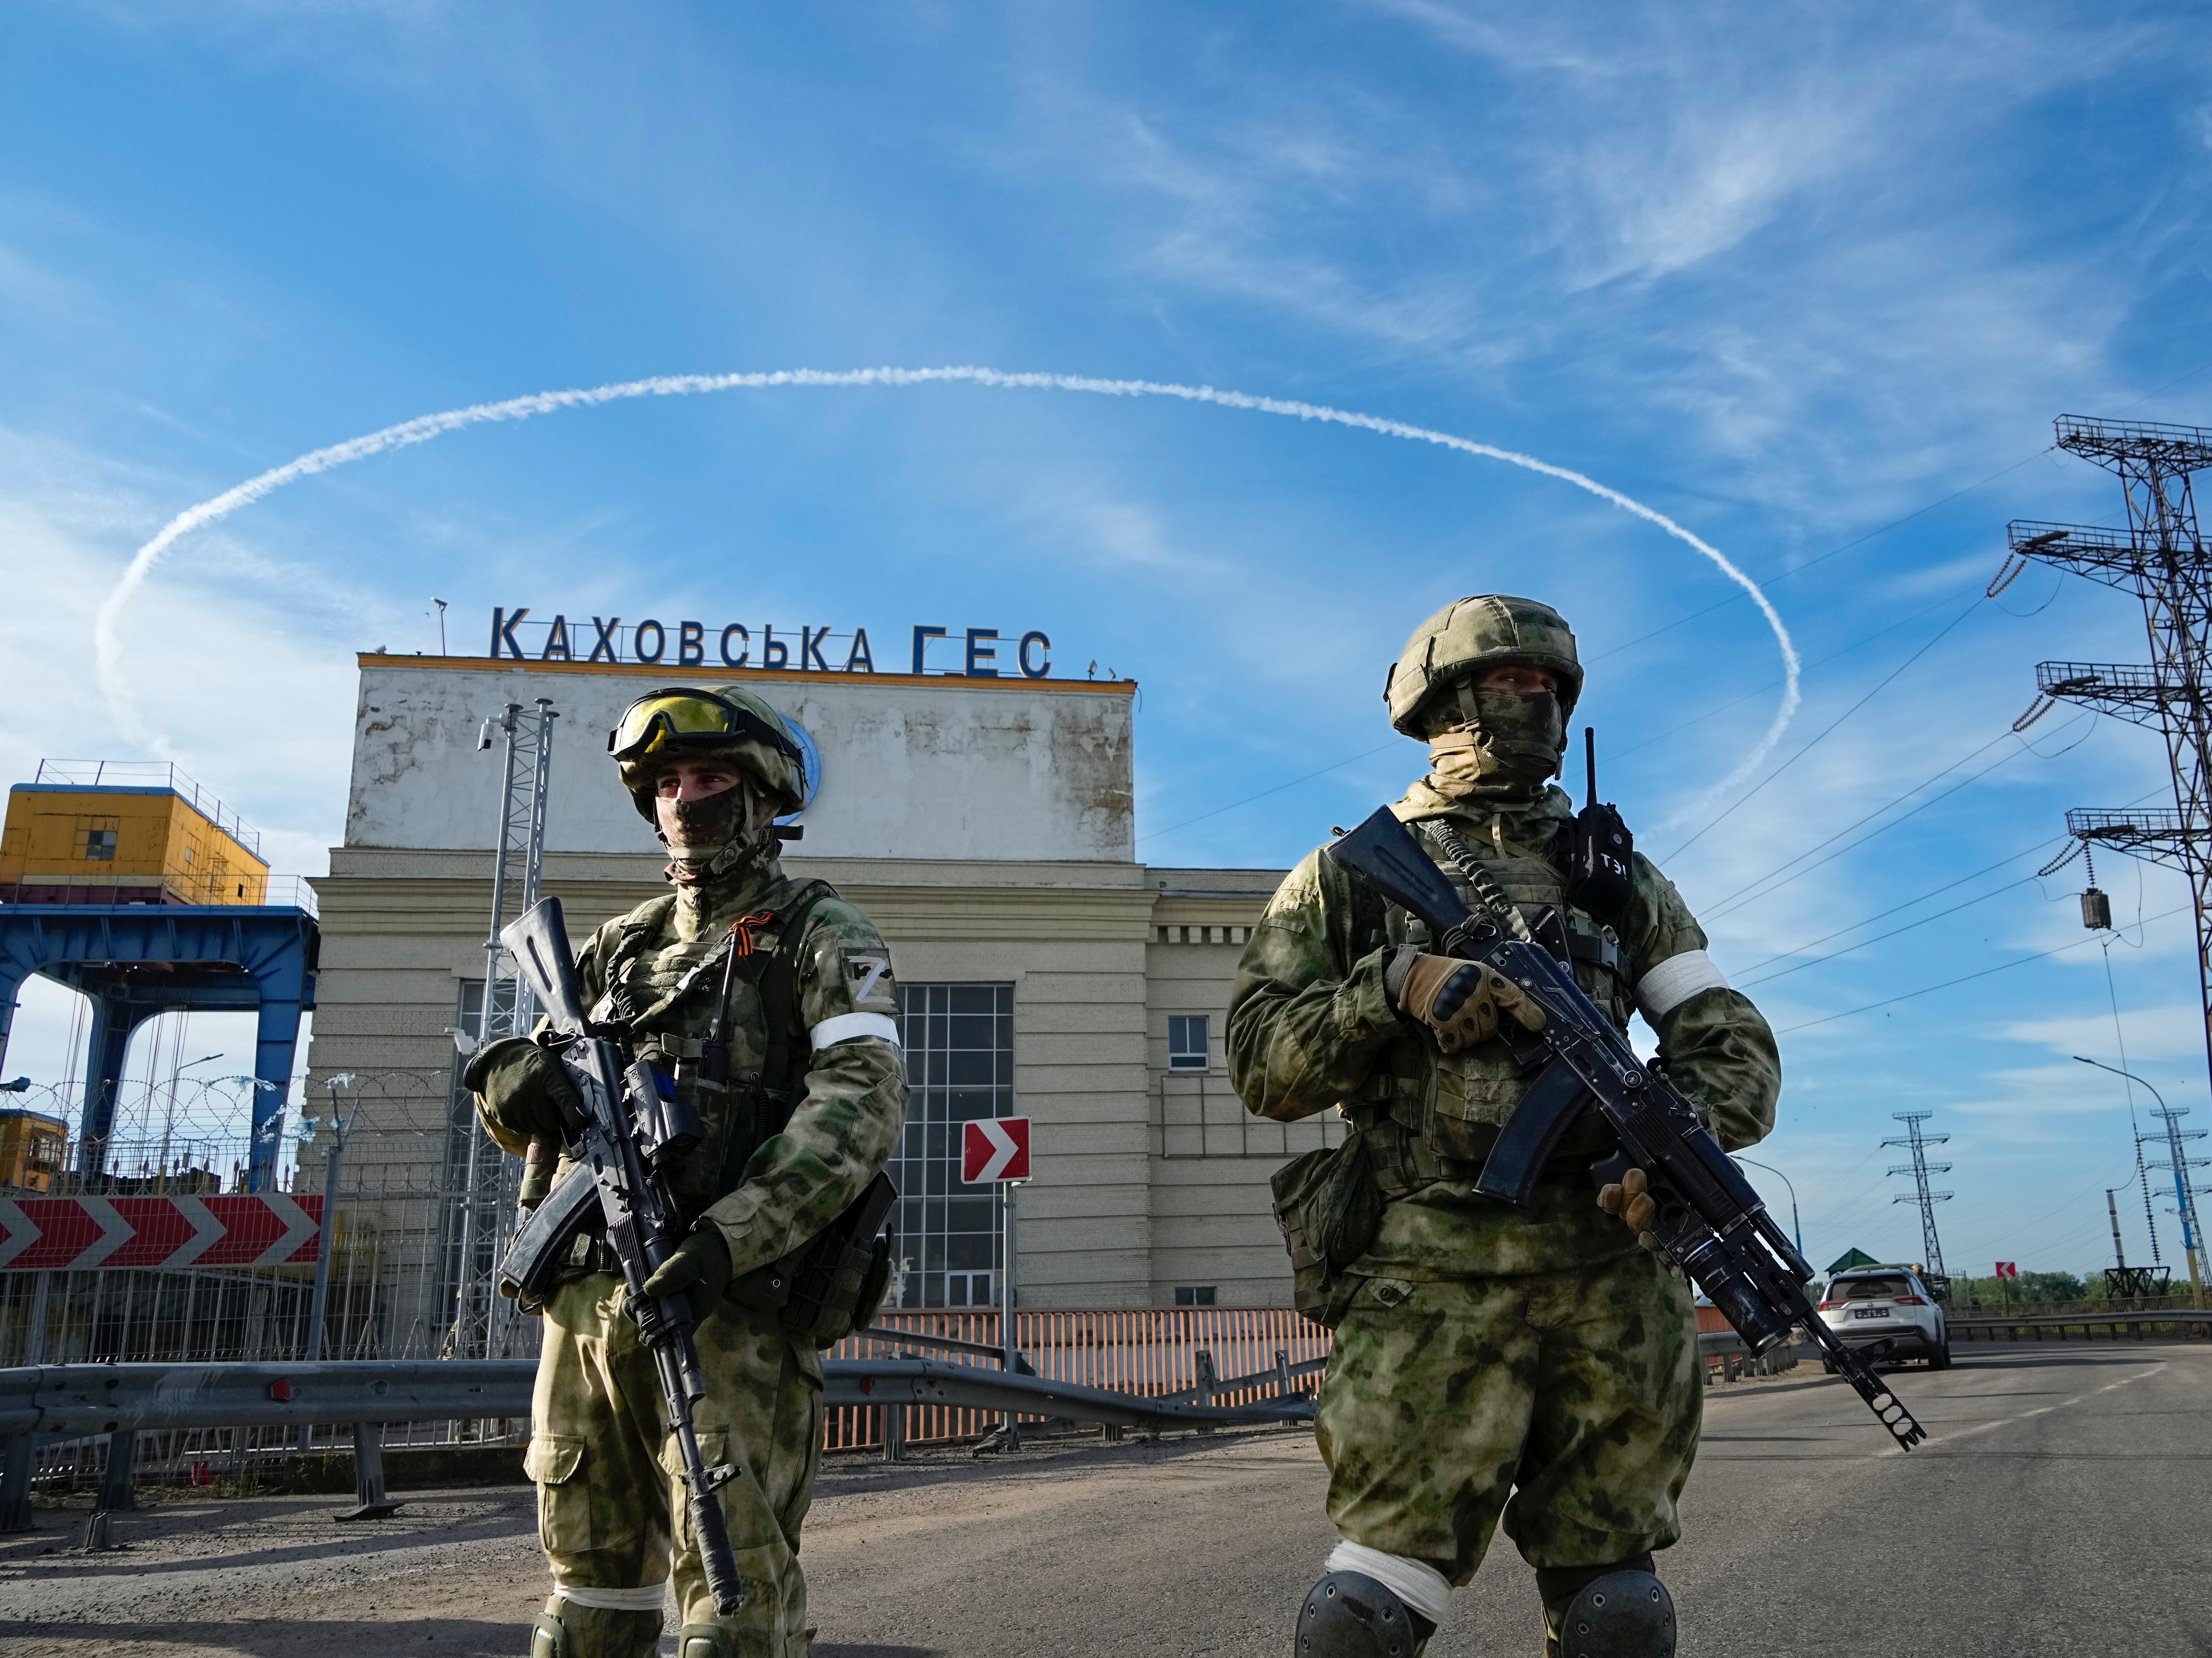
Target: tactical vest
(1426, 1115)
(669, 996)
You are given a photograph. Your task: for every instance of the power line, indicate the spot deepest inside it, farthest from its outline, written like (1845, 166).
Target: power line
(1722, 708)
(1894, 932)
(1729, 809)
(1727, 908)
(1264, 793)
(2001, 967)
(1750, 888)
(1783, 955)
(1795, 570)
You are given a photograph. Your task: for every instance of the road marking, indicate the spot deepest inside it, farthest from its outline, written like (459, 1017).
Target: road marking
(2040, 1410)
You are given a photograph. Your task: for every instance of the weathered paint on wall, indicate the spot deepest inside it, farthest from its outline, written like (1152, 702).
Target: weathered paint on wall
(912, 767)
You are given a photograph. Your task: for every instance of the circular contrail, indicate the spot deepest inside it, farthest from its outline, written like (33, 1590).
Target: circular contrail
(108, 654)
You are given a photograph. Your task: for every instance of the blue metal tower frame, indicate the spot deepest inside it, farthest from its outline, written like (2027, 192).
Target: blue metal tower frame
(135, 961)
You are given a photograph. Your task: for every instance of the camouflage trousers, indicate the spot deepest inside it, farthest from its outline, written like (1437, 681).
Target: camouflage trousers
(611, 1509)
(1566, 1402)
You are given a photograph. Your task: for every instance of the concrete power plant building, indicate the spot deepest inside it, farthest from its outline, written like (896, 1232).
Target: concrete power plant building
(987, 823)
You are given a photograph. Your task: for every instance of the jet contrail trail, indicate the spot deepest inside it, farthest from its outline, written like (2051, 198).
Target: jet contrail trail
(107, 653)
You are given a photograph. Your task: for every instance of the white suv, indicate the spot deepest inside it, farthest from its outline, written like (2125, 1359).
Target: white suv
(1892, 1305)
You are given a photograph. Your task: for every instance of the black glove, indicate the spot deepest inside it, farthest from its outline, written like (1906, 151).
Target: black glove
(701, 1264)
(522, 1093)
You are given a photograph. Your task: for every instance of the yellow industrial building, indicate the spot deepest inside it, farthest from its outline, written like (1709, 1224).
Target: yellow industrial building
(124, 834)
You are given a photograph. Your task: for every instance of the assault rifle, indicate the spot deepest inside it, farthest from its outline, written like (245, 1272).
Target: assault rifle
(1710, 1218)
(629, 1137)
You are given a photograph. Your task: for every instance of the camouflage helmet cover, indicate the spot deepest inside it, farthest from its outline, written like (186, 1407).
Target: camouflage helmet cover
(1489, 630)
(771, 763)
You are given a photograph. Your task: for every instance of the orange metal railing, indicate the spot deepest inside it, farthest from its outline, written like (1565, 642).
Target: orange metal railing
(1147, 1351)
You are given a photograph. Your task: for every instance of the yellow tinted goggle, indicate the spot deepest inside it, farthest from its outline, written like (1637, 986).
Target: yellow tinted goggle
(679, 714)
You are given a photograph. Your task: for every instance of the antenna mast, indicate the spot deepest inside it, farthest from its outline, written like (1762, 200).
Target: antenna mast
(488, 1183)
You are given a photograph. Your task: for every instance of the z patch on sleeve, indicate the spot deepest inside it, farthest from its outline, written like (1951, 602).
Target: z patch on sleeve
(867, 972)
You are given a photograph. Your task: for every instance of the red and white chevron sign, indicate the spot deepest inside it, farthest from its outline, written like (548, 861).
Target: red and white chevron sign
(995, 1148)
(45, 1234)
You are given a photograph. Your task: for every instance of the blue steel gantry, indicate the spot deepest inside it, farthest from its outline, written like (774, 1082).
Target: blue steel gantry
(136, 960)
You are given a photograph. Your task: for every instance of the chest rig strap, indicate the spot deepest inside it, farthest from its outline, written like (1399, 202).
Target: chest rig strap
(770, 1099)
(1460, 856)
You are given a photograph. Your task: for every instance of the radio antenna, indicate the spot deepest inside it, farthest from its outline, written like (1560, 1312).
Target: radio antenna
(1590, 760)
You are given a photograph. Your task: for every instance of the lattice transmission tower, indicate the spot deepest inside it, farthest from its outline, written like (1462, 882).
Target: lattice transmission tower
(2161, 558)
(488, 1188)
(1920, 1169)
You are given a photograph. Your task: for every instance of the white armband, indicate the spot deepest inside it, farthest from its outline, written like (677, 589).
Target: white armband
(1416, 1582)
(846, 1027)
(1674, 982)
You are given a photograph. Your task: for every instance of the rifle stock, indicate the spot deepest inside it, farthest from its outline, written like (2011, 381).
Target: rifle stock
(1711, 1220)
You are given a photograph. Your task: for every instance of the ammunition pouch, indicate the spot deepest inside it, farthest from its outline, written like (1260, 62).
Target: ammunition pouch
(835, 1282)
(1329, 1205)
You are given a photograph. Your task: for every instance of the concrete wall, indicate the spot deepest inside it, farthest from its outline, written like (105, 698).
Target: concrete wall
(943, 767)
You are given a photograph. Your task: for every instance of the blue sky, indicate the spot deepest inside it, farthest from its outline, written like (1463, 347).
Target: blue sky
(1813, 284)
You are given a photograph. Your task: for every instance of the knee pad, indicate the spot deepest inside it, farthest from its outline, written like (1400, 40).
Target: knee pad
(706, 1641)
(1350, 1615)
(1623, 1614)
(565, 1630)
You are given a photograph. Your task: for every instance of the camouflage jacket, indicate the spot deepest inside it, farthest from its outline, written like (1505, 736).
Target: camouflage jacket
(768, 1193)
(1311, 1025)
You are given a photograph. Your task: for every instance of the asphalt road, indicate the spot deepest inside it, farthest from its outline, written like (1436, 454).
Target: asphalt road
(2059, 1506)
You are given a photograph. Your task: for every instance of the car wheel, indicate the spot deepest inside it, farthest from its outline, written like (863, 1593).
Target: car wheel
(1940, 1359)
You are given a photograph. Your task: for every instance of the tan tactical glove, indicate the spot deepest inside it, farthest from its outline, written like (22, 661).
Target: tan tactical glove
(521, 1093)
(1461, 1001)
(701, 1261)
(1631, 1200)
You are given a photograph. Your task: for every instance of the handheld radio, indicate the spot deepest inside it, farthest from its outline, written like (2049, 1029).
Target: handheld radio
(1598, 880)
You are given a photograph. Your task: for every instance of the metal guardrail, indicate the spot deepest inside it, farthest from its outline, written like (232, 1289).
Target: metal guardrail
(2183, 1324)
(1738, 1361)
(123, 1400)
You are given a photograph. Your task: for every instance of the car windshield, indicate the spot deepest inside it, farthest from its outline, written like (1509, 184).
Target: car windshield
(1870, 1288)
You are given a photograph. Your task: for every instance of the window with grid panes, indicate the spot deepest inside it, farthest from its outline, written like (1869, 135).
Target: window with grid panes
(1187, 1043)
(959, 1041)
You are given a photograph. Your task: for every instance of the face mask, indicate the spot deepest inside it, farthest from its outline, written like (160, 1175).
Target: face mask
(717, 832)
(1505, 740)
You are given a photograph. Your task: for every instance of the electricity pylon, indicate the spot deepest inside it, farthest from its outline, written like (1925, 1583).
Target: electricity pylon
(1920, 1169)
(2161, 558)
(487, 1196)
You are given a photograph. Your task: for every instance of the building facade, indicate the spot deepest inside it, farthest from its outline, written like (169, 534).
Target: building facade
(987, 825)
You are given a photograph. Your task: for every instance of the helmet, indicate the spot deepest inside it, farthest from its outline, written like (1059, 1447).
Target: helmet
(1490, 630)
(683, 720)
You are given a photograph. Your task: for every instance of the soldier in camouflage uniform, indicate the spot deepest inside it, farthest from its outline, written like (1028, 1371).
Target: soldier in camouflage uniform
(1490, 1364)
(711, 770)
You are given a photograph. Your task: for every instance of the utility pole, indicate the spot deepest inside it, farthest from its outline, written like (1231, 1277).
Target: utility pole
(2192, 1238)
(2161, 558)
(1920, 1169)
(484, 1200)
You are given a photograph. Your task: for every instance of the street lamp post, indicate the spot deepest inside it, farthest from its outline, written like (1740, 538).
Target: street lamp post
(2185, 1199)
(1796, 1230)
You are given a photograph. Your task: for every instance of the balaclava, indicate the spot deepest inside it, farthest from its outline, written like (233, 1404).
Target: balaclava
(724, 832)
(1499, 744)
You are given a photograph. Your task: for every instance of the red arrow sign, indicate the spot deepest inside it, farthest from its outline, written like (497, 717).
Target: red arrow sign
(993, 1149)
(239, 1229)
